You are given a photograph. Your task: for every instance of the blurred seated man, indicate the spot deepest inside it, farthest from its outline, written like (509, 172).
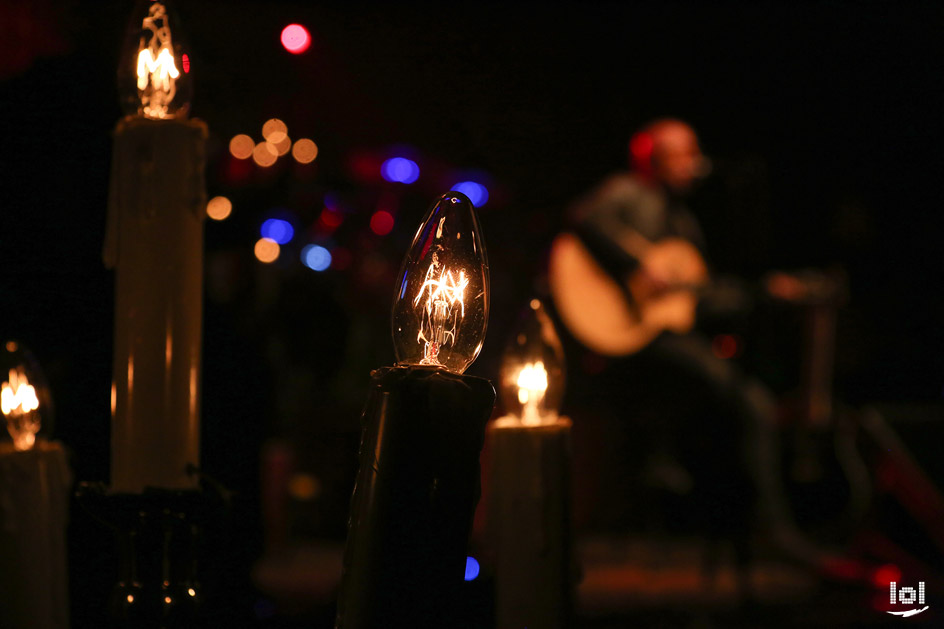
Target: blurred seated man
(625, 283)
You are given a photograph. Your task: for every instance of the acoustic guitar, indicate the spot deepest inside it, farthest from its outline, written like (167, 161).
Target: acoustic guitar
(615, 319)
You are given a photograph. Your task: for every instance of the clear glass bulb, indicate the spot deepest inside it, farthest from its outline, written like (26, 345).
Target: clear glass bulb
(153, 73)
(24, 395)
(440, 311)
(532, 372)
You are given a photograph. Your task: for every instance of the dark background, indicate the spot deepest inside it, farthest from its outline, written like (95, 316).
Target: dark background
(823, 121)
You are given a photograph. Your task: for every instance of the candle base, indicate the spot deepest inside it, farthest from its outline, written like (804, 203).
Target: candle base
(158, 533)
(416, 492)
(530, 523)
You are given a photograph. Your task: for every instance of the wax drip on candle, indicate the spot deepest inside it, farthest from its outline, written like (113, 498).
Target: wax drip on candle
(532, 373)
(440, 311)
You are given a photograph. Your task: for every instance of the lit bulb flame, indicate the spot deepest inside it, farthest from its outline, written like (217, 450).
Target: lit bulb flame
(532, 384)
(18, 396)
(156, 65)
(18, 400)
(441, 317)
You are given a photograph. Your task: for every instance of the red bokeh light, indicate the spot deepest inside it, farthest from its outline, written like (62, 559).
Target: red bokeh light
(185, 62)
(725, 346)
(330, 218)
(295, 38)
(381, 223)
(884, 575)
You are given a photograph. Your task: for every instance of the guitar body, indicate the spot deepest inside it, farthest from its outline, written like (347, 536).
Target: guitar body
(594, 307)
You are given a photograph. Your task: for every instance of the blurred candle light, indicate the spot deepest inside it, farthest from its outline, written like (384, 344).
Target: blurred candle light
(529, 482)
(532, 372)
(149, 74)
(440, 311)
(282, 146)
(24, 396)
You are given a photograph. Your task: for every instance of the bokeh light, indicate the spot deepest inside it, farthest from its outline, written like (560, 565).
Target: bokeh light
(264, 154)
(476, 192)
(274, 130)
(726, 346)
(282, 147)
(277, 230)
(400, 169)
(316, 257)
(471, 568)
(331, 218)
(241, 146)
(267, 250)
(295, 38)
(185, 62)
(304, 151)
(218, 208)
(381, 223)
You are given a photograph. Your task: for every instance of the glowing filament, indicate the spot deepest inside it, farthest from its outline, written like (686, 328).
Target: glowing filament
(18, 396)
(156, 69)
(18, 400)
(442, 312)
(532, 384)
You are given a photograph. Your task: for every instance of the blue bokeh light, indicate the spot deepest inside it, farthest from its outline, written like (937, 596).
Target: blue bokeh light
(316, 257)
(477, 193)
(400, 169)
(278, 230)
(471, 568)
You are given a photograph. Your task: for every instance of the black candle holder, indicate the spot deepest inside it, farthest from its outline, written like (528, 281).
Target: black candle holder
(416, 492)
(158, 534)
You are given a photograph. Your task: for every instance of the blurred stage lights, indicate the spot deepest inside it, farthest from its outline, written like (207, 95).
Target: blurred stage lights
(218, 208)
(471, 568)
(316, 257)
(267, 250)
(477, 193)
(277, 230)
(295, 38)
(400, 169)
(304, 151)
(274, 130)
(241, 146)
(264, 154)
(381, 223)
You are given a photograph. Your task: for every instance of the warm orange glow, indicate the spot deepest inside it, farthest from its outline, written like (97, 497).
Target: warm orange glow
(17, 396)
(11, 346)
(241, 146)
(264, 154)
(18, 400)
(440, 317)
(303, 486)
(219, 208)
(274, 130)
(267, 250)
(532, 384)
(156, 70)
(283, 146)
(191, 592)
(130, 598)
(305, 151)
(167, 600)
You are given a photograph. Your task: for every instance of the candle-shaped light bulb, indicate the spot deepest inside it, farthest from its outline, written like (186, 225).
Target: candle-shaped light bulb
(153, 74)
(24, 396)
(440, 311)
(532, 373)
